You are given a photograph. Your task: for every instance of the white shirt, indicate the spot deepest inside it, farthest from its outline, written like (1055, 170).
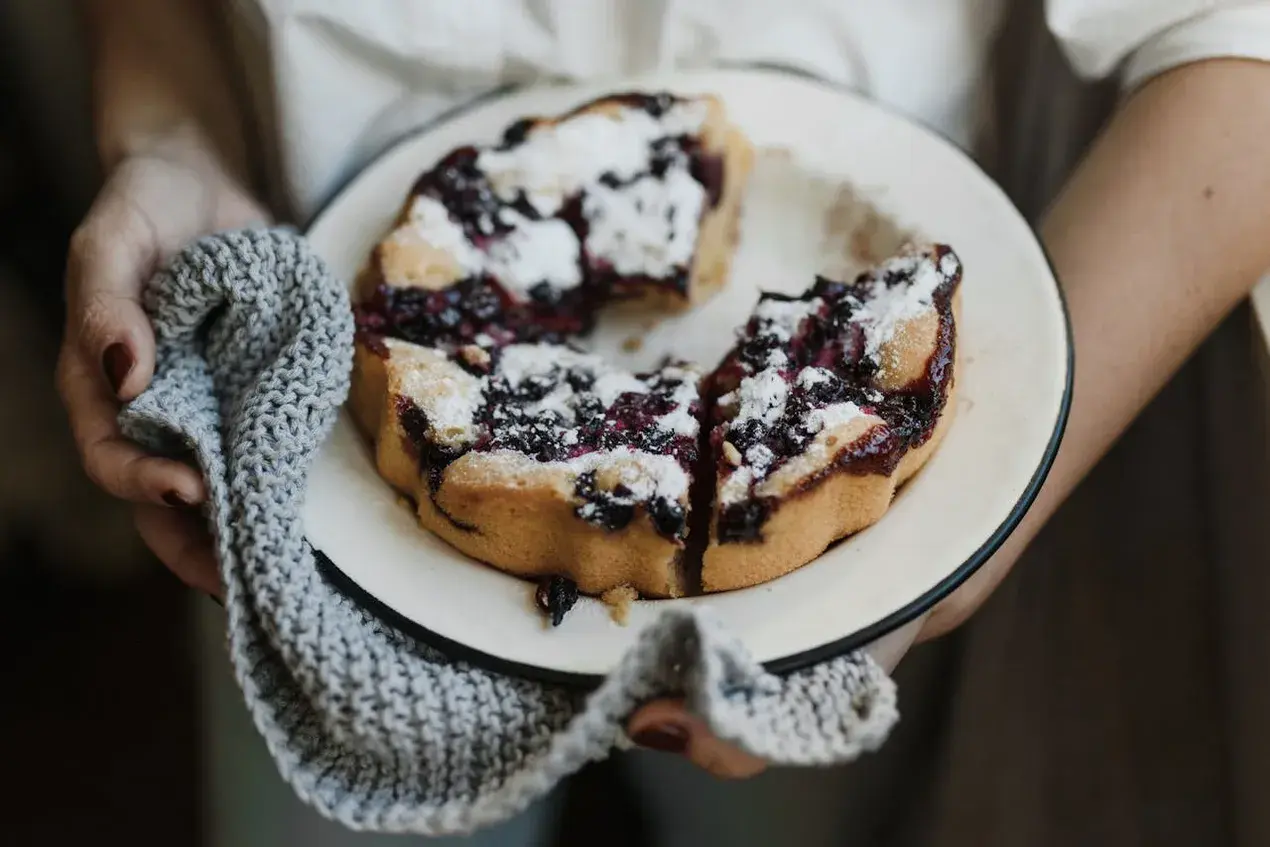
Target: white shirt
(336, 80)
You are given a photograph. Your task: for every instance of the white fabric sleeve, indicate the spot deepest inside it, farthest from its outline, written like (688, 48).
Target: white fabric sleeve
(1138, 39)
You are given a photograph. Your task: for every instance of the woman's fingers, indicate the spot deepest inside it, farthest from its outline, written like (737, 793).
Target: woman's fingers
(179, 538)
(108, 354)
(113, 462)
(667, 726)
(110, 256)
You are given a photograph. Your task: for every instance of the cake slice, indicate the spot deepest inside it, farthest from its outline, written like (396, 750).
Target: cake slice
(829, 401)
(632, 196)
(539, 459)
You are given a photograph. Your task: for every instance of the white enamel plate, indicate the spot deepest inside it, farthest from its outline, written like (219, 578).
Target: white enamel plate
(1012, 397)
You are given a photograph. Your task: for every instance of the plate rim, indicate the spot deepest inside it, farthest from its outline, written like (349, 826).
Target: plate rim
(458, 651)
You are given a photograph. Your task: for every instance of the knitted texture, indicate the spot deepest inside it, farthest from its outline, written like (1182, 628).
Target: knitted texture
(376, 730)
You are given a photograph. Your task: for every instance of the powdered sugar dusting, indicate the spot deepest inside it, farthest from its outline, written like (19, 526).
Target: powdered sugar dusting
(633, 475)
(611, 383)
(533, 252)
(521, 362)
(547, 407)
(432, 221)
(680, 420)
(446, 394)
(557, 160)
(641, 204)
(781, 319)
(831, 416)
(762, 397)
(647, 227)
(759, 457)
(900, 289)
(809, 377)
(736, 486)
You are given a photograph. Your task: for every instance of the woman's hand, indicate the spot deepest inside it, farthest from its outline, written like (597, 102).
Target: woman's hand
(153, 204)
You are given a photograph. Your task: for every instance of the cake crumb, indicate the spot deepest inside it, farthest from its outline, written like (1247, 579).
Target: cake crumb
(477, 357)
(732, 454)
(632, 344)
(619, 601)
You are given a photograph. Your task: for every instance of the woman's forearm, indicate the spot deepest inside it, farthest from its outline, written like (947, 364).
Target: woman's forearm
(1161, 231)
(160, 77)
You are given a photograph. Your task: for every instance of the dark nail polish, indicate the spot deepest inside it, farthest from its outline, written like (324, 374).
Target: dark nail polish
(668, 738)
(176, 501)
(117, 363)
(216, 600)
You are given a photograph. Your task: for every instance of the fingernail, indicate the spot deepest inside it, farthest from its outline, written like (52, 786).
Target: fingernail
(216, 600)
(666, 737)
(117, 362)
(176, 501)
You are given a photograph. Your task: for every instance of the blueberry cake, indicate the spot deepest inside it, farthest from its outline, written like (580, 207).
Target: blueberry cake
(630, 197)
(539, 458)
(518, 449)
(829, 401)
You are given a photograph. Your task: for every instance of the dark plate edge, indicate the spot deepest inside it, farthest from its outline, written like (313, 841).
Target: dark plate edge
(786, 664)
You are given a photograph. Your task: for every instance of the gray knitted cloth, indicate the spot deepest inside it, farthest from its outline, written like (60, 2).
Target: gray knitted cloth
(373, 728)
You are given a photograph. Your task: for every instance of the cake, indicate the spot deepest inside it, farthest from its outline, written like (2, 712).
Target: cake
(630, 197)
(829, 401)
(525, 451)
(539, 458)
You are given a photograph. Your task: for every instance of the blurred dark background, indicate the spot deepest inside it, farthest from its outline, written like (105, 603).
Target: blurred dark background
(99, 720)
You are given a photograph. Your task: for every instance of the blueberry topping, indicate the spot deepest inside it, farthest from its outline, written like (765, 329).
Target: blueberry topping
(555, 597)
(668, 517)
(459, 183)
(432, 457)
(558, 416)
(545, 294)
(742, 521)
(609, 510)
(516, 134)
(463, 188)
(830, 339)
(450, 317)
